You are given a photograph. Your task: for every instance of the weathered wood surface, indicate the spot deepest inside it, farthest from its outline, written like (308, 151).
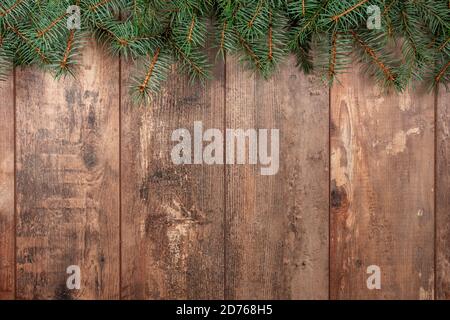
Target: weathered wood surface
(382, 191)
(443, 194)
(7, 232)
(277, 225)
(68, 180)
(172, 215)
(215, 231)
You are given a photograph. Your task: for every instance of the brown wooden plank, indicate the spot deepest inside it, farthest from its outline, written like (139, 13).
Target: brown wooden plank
(443, 194)
(7, 228)
(68, 180)
(382, 190)
(277, 225)
(172, 215)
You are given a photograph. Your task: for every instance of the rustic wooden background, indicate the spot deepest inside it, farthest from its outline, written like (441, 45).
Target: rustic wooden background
(86, 179)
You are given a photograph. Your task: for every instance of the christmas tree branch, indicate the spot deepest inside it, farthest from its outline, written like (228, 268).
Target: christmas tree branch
(41, 33)
(442, 72)
(191, 28)
(222, 36)
(371, 53)
(257, 12)
(270, 40)
(249, 51)
(10, 9)
(333, 55)
(150, 71)
(174, 32)
(340, 15)
(29, 43)
(98, 4)
(63, 63)
(442, 46)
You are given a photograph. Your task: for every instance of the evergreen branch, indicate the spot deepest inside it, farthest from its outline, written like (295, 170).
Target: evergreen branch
(98, 4)
(311, 20)
(41, 33)
(442, 72)
(442, 46)
(388, 7)
(30, 43)
(432, 43)
(270, 40)
(199, 70)
(191, 29)
(408, 32)
(304, 60)
(63, 63)
(121, 41)
(333, 56)
(387, 72)
(150, 71)
(340, 15)
(249, 51)
(10, 9)
(222, 36)
(157, 33)
(257, 12)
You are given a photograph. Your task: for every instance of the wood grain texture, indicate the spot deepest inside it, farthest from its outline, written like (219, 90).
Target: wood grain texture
(277, 225)
(443, 194)
(68, 180)
(172, 215)
(7, 228)
(382, 190)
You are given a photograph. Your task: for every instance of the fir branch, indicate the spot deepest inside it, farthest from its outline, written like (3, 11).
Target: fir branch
(261, 32)
(98, 4)
(121, 41)
(41, 33)
(257, 12)
(190, 62)
(340, 15)
(442, 46)
(222, 36)
(249, 51)
(150, 71)
(191, 29)
(442, 72)
(310, 21)
(387, 72)
(270, 40)
(30, 43)
(407, 31)
(70, 39)
(333, 56)
(10, 9)
(388, 7)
